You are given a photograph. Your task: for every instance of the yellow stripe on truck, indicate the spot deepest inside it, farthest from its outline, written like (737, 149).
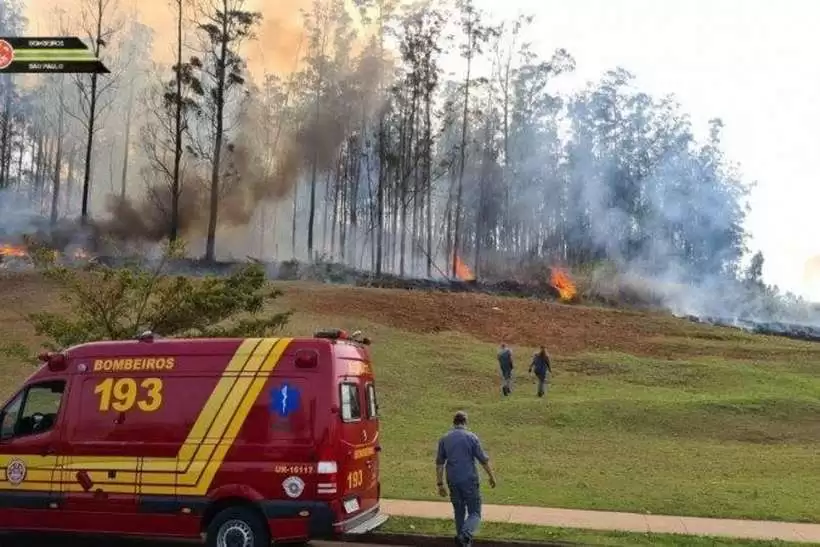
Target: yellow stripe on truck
(247, 403)
(164, 471)
(199, 457)
(245, 355)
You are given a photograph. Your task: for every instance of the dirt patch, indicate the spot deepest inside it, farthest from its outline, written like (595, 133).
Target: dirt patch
(564, 329)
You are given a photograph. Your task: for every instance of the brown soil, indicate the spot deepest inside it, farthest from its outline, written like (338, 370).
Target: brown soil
(564, 329)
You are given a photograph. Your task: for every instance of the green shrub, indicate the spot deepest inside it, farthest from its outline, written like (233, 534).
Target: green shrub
(118, 303)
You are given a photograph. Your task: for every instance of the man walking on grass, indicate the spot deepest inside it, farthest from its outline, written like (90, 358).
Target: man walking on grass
(505, 363)
(542, 369)
(458, 451)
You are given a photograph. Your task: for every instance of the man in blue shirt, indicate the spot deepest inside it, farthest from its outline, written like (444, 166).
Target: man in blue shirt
(458, 451)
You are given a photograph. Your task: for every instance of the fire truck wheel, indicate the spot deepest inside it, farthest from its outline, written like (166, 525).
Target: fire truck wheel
(238, 527)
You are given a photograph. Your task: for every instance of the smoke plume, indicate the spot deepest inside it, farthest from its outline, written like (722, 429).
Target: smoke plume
(275, 51)
(254, 169)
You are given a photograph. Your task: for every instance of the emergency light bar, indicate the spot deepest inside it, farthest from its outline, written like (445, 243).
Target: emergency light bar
(333, 334)
(339, 334)
(55, 361)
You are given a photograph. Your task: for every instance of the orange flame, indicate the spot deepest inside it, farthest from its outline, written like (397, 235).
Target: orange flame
(463, 272)
(19, 251)
(563, 283)
(81, 254)
(12, 250)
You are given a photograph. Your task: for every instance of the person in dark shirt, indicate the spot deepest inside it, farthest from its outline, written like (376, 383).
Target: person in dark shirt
(505, 363)
(458, 451)
(542, 368)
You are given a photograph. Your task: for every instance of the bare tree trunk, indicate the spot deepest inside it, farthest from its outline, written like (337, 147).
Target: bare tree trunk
(372, 213)
(20, 160)
(293, 221)
(92, 115)
(463, 152)
(69, 183)
(221, 66)
(415, 193)
(47, 163)
(428, 180)
(334, 221)
(127, 144)
(274, 231)
(262, 228)
(58, 164)
(315, 160)
(312, 202)
(326, 211)
(382, 153)
(173, 232)
(42, 154)
(355, 181)
(37, 159)
(394, 240)
(380, 199)
(343, 216)
(5, 140)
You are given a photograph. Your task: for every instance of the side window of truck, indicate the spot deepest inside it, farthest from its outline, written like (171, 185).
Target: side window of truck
(372, 403)
(34, 410)
(351, 406)
(10, 415)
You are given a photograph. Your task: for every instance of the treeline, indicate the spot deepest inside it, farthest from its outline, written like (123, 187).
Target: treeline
(406, 139)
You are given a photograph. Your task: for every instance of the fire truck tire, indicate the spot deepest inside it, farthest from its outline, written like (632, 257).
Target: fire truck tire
(239, 523)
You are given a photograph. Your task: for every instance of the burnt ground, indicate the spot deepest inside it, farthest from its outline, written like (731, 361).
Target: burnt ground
(564, 328)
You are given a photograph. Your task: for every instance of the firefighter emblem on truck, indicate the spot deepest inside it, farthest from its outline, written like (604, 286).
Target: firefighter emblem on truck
(294, 486)
(16, 472)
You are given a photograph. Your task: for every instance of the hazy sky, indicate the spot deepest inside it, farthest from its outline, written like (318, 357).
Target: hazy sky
(753, 63)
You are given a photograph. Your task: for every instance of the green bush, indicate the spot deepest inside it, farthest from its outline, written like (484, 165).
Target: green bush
(107, 303)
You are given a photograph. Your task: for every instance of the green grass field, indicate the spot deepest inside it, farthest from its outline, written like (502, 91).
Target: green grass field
(706, 437)
(645, 413)
(518, 532)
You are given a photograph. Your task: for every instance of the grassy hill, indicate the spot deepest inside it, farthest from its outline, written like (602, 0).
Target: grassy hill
(646, 412)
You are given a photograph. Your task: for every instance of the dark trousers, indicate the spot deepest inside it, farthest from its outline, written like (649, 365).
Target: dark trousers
(543, 384)
(466, 500)
(506, 380)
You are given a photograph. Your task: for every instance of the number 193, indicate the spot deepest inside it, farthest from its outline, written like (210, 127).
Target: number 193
(123, 393)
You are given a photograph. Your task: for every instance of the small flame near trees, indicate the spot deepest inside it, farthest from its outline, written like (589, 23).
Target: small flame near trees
(40, 254)
(463, 272)
(17, 251)
(562, 282)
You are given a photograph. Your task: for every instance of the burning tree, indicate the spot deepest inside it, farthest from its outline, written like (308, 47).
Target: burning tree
(562, 282)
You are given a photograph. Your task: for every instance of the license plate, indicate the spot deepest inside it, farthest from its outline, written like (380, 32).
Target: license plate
(351, 506)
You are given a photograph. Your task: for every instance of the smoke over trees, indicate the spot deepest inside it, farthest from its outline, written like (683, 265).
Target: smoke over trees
(402, 138)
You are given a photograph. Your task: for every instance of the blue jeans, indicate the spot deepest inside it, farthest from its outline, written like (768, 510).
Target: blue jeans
(466, 500)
